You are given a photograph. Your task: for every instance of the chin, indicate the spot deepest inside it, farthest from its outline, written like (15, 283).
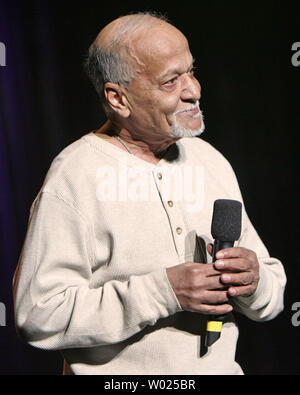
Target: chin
(192, 127)
(178, 131)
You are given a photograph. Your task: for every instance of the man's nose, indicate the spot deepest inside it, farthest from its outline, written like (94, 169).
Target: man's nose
(191, 88)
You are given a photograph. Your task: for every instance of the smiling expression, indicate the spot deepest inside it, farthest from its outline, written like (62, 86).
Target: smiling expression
(165, 86)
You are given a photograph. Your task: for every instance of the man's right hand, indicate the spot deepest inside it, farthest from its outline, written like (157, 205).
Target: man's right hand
(198, 288)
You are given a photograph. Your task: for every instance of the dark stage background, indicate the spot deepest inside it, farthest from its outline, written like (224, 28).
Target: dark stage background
(250, 99)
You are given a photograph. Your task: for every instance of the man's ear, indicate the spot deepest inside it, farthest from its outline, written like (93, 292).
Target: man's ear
(116, 99)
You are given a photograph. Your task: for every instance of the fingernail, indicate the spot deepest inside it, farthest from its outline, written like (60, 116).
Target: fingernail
(225, 277)
(220, 255)
(219, 264)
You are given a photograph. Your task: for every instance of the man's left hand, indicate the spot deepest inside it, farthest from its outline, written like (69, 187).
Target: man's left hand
(240, 270)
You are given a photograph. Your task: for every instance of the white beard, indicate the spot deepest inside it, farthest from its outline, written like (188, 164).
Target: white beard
(178, 131)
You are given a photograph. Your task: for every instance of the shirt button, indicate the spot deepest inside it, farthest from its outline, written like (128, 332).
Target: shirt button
(179, 231)
(159, 176)
(170, 203)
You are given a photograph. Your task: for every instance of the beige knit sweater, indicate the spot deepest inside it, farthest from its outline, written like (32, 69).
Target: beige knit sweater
(92, 280)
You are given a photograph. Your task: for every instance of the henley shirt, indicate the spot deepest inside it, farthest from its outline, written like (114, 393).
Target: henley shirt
(91, 279)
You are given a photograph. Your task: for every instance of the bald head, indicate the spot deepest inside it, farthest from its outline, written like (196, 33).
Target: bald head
(115, 55)
(123, 29)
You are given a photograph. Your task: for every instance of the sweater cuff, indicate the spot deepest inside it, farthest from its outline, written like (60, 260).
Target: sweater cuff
(164, 294)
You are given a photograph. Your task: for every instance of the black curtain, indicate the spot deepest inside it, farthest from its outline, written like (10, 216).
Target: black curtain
(250, 99)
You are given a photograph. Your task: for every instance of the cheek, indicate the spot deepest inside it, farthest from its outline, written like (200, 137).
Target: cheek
(156, 108)
(160, 109)
(168, 106)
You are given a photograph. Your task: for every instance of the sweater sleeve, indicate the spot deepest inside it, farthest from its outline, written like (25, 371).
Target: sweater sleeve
(55, 306)
(268, 300)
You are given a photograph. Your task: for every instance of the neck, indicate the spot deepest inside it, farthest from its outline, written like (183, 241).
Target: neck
(147, 149)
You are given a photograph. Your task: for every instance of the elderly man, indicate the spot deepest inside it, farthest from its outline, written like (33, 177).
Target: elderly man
(113, 271)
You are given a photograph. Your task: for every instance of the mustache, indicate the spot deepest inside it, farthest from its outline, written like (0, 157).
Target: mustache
(192, 107)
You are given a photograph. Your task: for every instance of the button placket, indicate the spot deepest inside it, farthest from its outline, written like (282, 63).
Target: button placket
(173, 212)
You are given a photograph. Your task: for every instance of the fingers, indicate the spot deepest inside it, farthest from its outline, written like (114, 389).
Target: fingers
(198, 288)
(208, 302)
(215, 297)
(244, 278)
(240, 284)
(196, 273)
(215, 310)
(207, 288)
(233, 264)
(241, 290)
(235, 252)
(240, 270)
(236, 259)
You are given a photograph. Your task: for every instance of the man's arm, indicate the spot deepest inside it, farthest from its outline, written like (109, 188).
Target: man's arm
(263, 299)
(256, 281)
(253, 286)
(56, 304)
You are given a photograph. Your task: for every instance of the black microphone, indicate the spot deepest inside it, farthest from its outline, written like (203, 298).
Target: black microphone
(225, 229)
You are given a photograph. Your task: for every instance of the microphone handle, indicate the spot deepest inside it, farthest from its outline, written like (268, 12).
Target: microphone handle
(214, 325)
(220, 245)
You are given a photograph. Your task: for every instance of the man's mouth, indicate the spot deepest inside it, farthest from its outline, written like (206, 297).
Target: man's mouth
(193, 110)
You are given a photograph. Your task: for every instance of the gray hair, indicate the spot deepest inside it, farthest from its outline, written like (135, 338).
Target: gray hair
(111, 62)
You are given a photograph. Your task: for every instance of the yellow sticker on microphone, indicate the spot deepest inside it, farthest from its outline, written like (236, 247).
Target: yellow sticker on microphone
(214, 326)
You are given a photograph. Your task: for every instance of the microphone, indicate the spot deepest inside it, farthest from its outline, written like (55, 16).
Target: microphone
(225, 229)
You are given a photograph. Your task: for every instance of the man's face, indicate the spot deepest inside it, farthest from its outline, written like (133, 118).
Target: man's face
(165, 92)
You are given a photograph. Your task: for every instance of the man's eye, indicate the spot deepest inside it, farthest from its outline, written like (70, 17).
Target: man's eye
(192, 70)
(172, 81)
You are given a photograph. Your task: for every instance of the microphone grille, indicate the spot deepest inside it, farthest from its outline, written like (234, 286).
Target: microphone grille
(226, 220)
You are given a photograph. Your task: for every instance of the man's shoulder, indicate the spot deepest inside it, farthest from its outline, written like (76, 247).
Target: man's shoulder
(70, 155)
(203, 150)
(69, 165)
(196, 143)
